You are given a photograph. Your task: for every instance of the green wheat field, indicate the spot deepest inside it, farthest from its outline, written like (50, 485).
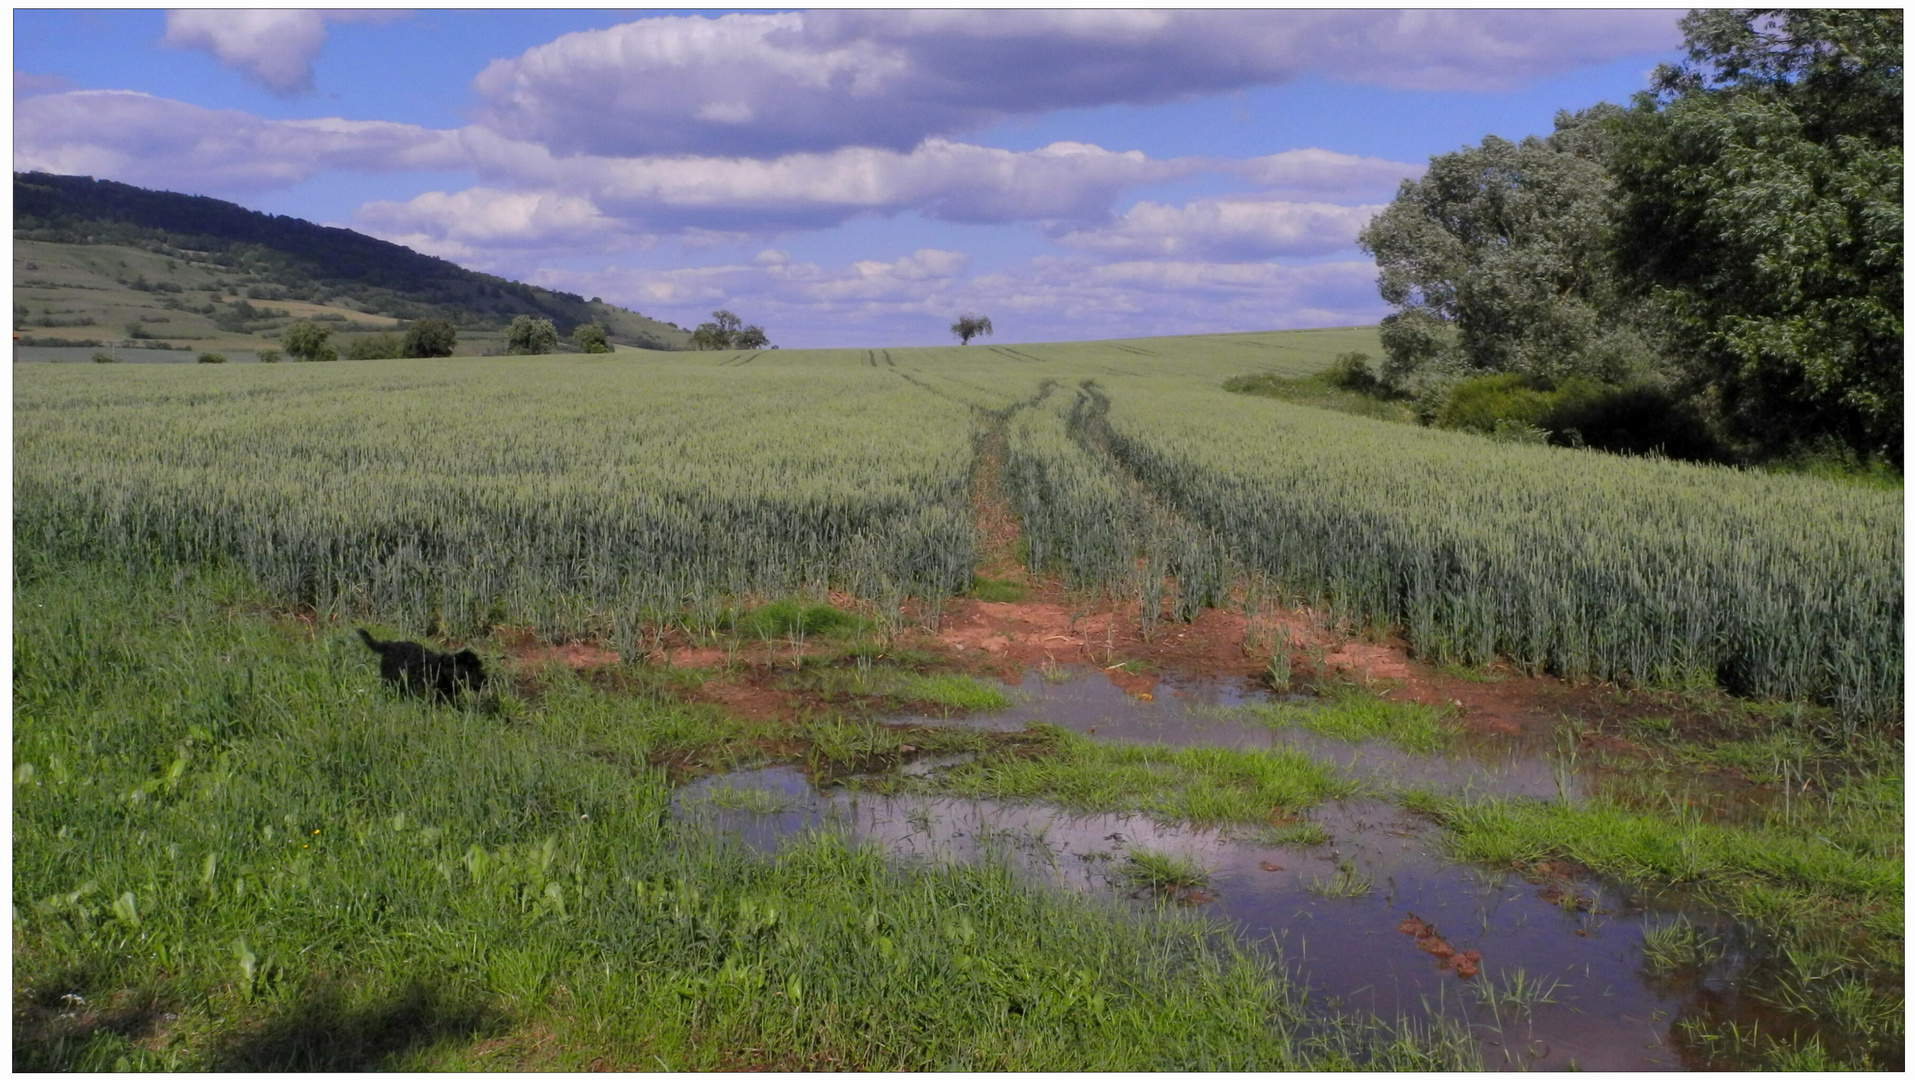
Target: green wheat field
(233, 851)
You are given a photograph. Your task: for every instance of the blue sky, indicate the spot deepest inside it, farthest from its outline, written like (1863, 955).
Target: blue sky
(851, 177)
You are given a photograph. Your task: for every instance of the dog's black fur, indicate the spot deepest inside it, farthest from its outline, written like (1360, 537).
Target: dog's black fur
(418, 670)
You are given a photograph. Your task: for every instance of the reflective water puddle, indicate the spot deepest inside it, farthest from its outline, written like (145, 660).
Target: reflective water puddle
(1549, 973)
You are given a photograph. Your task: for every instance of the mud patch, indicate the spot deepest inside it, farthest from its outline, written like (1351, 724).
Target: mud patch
(523, 648)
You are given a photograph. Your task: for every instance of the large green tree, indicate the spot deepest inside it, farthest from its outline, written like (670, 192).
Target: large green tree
(430, 337)
(728, 331)
(529, 336)
(1760, 205)
(1497, 260)
(309, 341)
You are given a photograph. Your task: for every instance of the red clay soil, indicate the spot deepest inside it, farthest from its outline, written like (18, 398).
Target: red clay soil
(524, 649)
(1464, 963)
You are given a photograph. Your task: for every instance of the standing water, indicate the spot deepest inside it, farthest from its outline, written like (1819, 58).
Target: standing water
(1547, 972)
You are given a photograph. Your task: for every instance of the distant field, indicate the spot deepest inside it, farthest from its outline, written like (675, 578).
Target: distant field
(576, 492)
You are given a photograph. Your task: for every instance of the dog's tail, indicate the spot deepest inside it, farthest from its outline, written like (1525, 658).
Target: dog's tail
(375, 646)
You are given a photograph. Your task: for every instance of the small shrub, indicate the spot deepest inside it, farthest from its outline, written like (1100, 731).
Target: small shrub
(1478, 404)
(104, 357)
(268, 356)
(212, 358)
(1351, 371)
(376, 347)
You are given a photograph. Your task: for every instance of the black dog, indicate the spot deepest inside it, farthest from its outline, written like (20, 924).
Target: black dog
(418, 670)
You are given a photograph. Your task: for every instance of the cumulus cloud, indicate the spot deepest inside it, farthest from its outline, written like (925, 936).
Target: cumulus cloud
(774, 84)
(909, 300)
(1227, 227)
(944, 180)
(156, 142)
(473, 225)
(273, 47)
(1324, 174)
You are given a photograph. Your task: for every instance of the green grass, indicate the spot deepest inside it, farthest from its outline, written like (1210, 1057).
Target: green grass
(234, 850)
(983, 588)
(1679, 944)
(901, 689)
(1352, 715)
(1318, 392)
(1818, 878)
(748, 800)
(1197, 785)
(1515, 993)
(793, 618)
(1347, 884)
(1162, 870)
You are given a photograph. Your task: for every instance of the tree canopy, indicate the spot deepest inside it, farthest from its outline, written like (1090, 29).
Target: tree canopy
(430, 337)
(728, 331)
(1760, 192)
(308, 341)
(1733, 239)
(1497, 261)
(590, 338)
(969, 326)
(528, 336)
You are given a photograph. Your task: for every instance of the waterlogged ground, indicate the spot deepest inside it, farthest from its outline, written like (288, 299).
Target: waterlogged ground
(1546, 967)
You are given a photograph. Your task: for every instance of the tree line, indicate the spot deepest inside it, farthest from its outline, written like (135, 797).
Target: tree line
(1714, 271)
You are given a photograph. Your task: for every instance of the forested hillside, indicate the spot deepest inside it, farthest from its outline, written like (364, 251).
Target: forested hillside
(288, 259)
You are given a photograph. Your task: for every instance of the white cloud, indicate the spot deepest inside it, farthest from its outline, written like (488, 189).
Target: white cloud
(475, 223)
(1324, 174)
(910, 300)
(155, 142)
(773, 84)
(274, 47)
(1227, 227)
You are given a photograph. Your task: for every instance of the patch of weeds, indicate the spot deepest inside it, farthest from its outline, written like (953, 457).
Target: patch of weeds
(1290, 834)
(1679, 945)
(952, 692)
(1470, 673)
(1162, 870)
(1651, 728)
(1352, 715)
(960, 692)
(1322, 392)
(789, 618)
(1515, 993)
(1130, 667)
(750, 800)
(1779, 757)
(1200, 785)
(1348, 884)
(873, 651)
(1001, 592)
(837, 746)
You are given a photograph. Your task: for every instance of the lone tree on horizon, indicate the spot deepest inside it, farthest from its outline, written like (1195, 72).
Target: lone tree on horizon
(728, 331)
(969, 326)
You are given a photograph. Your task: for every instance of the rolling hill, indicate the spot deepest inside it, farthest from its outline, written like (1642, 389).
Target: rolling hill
(97, 259)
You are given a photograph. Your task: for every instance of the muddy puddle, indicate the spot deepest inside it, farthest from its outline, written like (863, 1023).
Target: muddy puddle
(1547, 972)
(1215, 711)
